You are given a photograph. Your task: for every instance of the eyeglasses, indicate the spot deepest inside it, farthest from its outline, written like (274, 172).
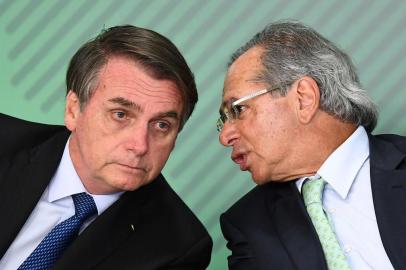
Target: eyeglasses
(233, 112)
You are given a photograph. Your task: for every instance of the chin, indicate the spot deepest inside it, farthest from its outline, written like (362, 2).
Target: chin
(259, 179)
(132, 185)
(128, 180)
(126, 183)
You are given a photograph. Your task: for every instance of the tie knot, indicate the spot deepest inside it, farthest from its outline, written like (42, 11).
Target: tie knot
(312, 191)
(85, 206)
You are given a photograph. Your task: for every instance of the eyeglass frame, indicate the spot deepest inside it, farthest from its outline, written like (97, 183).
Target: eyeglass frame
(225, 115)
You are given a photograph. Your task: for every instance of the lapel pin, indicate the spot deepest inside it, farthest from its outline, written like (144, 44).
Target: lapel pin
(132, 227)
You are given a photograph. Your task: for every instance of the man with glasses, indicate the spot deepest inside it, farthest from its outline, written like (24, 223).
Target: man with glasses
(330, 195)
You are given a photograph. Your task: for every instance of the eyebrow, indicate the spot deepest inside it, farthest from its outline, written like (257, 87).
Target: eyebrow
(126, 103)
(132, 105)
(171, 114)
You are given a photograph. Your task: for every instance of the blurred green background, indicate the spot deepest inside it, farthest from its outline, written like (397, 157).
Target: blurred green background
(38, 39)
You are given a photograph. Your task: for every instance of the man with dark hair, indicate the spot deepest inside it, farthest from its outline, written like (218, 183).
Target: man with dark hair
(91, 195)
(330, 195)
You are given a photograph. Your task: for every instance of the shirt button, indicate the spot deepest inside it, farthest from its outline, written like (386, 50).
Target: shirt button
(347, 248)
(332, 210)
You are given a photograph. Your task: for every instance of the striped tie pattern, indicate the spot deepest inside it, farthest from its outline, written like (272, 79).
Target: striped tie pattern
(58, 239)
(312, 195)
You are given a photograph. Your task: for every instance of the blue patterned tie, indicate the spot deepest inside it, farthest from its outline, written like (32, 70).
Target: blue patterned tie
(59, 238)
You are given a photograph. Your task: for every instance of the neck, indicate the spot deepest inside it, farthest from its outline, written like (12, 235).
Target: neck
(320, 139)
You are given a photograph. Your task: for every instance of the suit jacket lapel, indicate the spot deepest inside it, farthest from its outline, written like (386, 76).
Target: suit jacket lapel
(118, 224)
(102, 237)
(294, 226)
(25, 177)
(388, 183)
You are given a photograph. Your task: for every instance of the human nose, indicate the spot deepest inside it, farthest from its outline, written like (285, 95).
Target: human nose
(137, 141)
(228, 134)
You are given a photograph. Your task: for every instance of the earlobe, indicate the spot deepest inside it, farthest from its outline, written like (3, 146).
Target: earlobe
(72, 110)
(308, 94)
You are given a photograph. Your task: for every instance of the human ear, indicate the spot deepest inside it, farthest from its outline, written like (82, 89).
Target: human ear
(308, 97)
(72, 110)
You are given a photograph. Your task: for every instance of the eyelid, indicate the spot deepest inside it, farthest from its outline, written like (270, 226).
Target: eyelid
(167, 128)
(115, 112)
(119, 109)
(169, 121)
(127, 112)
(238, 109)
(161, 121)
(239, 106)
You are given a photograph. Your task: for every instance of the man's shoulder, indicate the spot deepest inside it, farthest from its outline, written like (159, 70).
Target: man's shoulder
(174, 204)
(398, 141)
(168, 222)
(252, 198)
(18, 134)
(256, 201)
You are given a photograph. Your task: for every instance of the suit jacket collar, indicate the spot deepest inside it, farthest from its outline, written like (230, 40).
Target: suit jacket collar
(388, 182)
(384, 154)
(25, 177)
(109, 231)
(294, 226)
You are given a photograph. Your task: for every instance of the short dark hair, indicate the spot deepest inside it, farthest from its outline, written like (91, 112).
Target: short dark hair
(154, 52)
(293, 50)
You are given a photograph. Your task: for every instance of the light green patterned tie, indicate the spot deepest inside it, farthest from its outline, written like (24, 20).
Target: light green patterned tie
(312, 194)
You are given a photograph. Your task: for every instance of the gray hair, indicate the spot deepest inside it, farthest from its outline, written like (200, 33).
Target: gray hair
(293, 50)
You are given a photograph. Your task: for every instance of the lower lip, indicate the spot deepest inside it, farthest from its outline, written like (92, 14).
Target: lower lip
(131, 169)
(243, 163)
(243, 167)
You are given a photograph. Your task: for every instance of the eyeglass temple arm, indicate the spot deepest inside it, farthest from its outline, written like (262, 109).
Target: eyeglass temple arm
(260, 92)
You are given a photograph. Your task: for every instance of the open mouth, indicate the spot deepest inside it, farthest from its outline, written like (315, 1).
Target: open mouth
(241, 160)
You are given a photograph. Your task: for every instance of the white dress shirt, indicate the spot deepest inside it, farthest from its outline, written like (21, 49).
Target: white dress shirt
(54, 206)
(347, 200)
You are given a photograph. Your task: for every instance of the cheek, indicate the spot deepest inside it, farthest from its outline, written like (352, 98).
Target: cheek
(92, 151)
(269, 134)
(160, 150)
(96, 145)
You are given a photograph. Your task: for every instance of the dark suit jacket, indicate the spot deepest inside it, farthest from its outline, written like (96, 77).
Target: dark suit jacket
(269, 228)
(149, 228)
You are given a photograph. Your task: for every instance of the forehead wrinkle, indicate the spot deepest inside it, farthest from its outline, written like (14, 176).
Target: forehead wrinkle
(145, 86)
(126, 103)
(150, 89)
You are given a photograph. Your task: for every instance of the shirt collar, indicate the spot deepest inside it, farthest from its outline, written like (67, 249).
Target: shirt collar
(66, 182)
(342, 166)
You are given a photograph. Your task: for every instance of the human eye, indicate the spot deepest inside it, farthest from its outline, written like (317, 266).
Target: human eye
(238, 110)
(162, 126)
(119, 115)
